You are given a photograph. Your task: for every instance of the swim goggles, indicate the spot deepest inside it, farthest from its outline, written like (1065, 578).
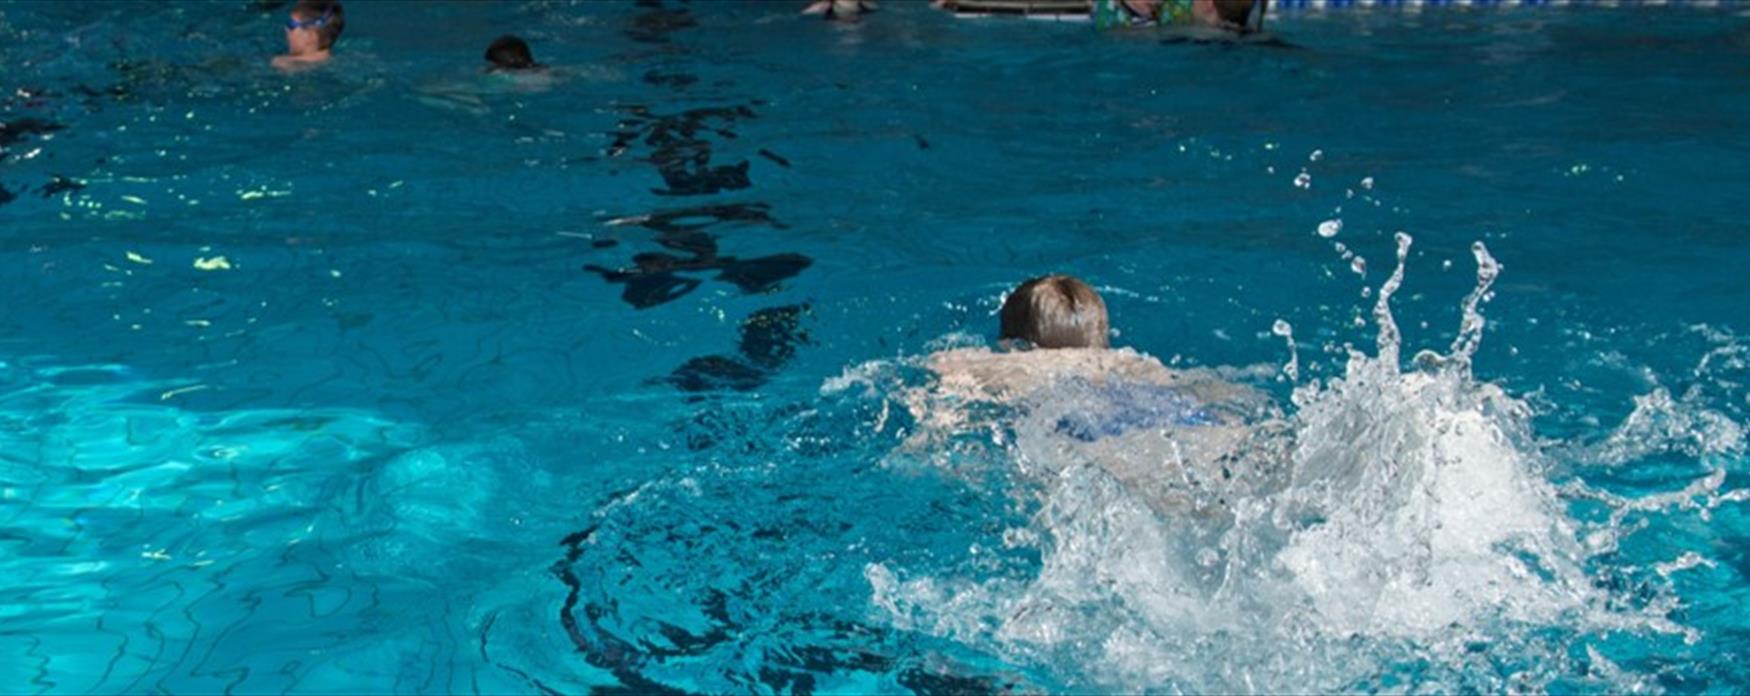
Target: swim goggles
(294, 24)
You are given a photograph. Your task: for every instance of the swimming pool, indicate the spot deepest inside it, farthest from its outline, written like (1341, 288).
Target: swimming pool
(360, 380)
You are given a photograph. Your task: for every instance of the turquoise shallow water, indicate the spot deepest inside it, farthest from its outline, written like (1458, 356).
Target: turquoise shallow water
(502, 389)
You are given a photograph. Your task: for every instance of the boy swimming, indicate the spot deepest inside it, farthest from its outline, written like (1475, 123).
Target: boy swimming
(311, 30)
(1179, 439)
(509, 60)
(510, 54)
(510, 69)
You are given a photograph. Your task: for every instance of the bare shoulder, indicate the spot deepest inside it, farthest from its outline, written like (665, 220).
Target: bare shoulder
(291, 63)
(1126, 364)
(976, 372)
(980, 371)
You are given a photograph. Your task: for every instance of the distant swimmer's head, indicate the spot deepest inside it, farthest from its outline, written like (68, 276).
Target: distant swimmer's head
(313, 27)
(1055, 311)
(510, 53)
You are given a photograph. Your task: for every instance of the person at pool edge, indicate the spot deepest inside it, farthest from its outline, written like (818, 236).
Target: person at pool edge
(1230, 15)
(840, 10)
(311, 30)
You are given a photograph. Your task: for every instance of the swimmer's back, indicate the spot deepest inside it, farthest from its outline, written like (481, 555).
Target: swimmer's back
(981, 374)
(1179, 439)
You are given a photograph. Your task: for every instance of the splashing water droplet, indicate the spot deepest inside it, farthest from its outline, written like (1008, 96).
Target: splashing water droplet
(1292, 369)
(1389, 340)
(1303, 180)
(1470, 329)
(1358, 265)
(1367, 183)
(1330, 228)
(1316, 156)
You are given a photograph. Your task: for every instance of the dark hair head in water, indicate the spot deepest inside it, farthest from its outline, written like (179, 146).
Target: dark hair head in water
(510, 53)
(327, 17)
(1055, 311)
(1235, 12)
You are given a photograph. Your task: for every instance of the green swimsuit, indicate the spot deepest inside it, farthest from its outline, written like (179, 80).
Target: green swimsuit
(1114, 13)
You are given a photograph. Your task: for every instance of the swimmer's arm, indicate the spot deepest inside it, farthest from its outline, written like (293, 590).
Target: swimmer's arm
(963, 376)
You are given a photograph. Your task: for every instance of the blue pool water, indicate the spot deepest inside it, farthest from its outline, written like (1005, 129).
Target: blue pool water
(382, 378)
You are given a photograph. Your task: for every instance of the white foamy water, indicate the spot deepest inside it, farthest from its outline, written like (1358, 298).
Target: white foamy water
(1393, 518)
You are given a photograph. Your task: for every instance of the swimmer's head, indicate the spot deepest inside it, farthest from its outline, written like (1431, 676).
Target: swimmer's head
(1055, 311)
(1236, 13)
(510, 53)
(314, 26)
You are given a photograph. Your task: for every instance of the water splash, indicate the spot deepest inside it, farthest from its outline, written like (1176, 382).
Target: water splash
(1396, 518)
(1661, 424)
(1397, 531)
